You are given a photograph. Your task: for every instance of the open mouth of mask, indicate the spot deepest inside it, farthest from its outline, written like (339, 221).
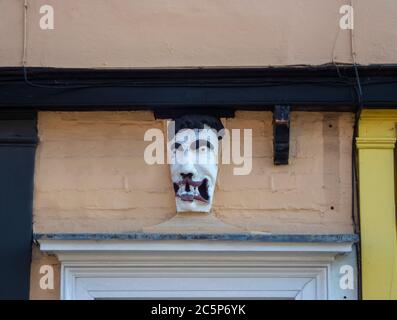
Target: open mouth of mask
(190, 190)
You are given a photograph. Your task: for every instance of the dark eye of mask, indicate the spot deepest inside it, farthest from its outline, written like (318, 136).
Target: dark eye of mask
(201, 143)
(176, 146)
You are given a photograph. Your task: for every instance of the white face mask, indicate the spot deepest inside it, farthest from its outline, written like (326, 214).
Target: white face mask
(194, 168)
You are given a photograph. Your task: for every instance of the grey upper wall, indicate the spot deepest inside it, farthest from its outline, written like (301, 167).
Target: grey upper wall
(192, 33)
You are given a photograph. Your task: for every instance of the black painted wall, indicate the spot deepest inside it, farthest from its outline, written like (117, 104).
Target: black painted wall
(18, 139)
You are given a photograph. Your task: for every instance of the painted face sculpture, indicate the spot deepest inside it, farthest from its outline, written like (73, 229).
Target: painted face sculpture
(194, 161)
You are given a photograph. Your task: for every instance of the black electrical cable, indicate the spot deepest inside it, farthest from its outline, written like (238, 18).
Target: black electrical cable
(355, 173)
(342, 82)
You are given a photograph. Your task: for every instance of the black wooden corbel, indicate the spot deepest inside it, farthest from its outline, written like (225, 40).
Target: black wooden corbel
(172, 113)
(281, 122)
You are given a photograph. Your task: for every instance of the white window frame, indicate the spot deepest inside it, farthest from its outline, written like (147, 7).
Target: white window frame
(113, 269)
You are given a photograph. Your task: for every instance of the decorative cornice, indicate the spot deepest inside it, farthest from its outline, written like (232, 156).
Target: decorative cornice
(379, 115)
(375, 143)
(130, 250)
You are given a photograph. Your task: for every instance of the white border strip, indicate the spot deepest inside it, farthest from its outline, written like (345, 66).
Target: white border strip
(108, 246)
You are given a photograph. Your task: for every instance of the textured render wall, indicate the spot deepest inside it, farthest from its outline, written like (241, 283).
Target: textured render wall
(91, 175)
(310, 195)
(40, 259)
(189, 33)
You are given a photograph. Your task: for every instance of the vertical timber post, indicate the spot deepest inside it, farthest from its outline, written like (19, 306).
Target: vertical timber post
(18, 139)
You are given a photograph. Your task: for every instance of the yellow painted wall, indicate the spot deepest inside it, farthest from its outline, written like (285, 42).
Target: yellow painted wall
(376, 146)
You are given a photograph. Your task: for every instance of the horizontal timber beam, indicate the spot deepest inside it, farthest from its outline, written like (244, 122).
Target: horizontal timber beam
(322, 88)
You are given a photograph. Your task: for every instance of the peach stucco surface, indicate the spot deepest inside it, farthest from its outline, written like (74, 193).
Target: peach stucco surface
(91, 175)
(193, 33)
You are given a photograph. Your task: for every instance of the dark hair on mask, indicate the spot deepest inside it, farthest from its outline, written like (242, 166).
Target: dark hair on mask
(196, 121)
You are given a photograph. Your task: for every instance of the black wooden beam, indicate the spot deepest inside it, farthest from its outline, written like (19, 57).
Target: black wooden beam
(323, 88)
(18, 140)
(281, 122)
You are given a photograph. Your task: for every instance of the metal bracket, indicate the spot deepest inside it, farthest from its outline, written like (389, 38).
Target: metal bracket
(281, 122)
